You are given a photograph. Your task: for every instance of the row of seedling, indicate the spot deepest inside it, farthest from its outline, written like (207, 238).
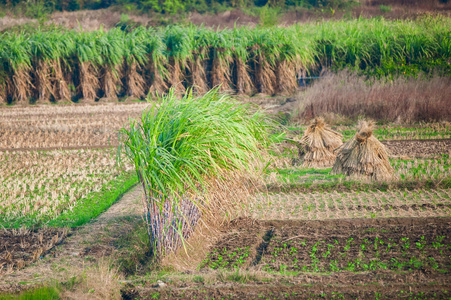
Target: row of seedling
(366, 204)
(41, 185)
(356, 254)
(226, 258)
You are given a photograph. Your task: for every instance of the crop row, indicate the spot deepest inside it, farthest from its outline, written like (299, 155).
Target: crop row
(425, 131)
(420, 169)
(399, 132)
(293, 248)
(355, 254)
(62, 65)
(319, 206)
(63, 126)
(61, 112)
(42, 185)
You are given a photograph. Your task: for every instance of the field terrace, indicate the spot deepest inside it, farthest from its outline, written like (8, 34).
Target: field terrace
(303, 224)
(58, 168)
(314, 235)
(305, 233)
(53, 157)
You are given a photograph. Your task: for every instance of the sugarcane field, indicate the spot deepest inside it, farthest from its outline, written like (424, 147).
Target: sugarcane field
(219, 149)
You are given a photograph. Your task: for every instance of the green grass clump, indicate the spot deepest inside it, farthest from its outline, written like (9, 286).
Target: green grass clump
(305, 175)
(385, 8)
(179, 147)
(41, 293)
(178, 143)
(96, 203)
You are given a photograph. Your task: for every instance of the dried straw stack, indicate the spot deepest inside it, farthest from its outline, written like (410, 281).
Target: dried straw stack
(363, 155)
(319, 143)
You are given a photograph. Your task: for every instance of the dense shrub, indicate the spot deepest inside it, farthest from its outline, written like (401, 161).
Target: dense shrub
(190, 155)
(403, 99)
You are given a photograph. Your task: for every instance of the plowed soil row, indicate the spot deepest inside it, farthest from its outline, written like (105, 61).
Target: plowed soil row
(348, 258)
(293, 291)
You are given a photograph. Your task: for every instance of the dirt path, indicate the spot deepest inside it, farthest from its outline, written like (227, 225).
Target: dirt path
(82, 247)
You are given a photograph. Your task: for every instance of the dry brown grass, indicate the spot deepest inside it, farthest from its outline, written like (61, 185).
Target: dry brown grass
(22, 84)
(176, 76)
(108, 18)
(43, 81)
(93, 19)
(136, 84)
(220, 72)
(244, 84)
(198, 74)
(411, 4)
(286, 78)
(10, 21)
(228, 198)
(264, 75)
(64, 126)
(99, 282)
(402, 100)
(194, 250)
(89, 81)
(46, 183)
(110, 81)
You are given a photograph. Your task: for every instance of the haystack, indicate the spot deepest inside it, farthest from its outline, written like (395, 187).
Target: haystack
(318, 145)
(363, 155)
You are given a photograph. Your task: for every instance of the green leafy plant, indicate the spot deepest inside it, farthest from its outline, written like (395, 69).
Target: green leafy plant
(178, 148)
(385, 8)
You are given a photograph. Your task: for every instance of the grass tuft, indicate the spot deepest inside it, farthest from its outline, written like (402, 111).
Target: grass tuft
(185, 152)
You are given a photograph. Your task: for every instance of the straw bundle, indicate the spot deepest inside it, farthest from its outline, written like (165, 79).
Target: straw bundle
(363, 155)
(318, 144)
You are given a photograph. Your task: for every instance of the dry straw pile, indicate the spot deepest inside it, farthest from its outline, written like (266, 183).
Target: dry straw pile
(363, 155)
(318, 145)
